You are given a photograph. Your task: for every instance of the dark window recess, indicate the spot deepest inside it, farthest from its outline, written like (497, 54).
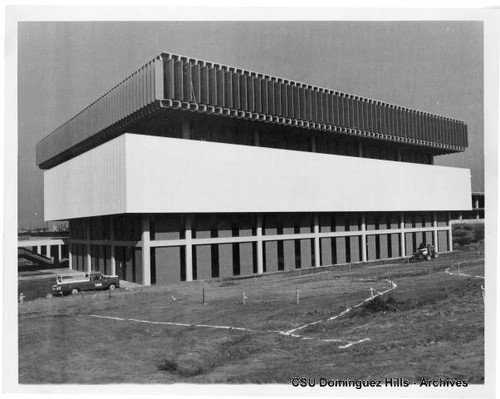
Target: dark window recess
(235, 231)
(263, 259)
(195, 264)
(296, 227)
(152, 231)
(105, 258)
(214, 249)
(414, 241)
(348, 249)
(281, 257)
(183, 264)
(236, 259)
(298, 260)
(124, 262)
(153, 265)
(313, 255)
(254, 257)
(333, 242)
(182, 228)
(389, 246)
(134, 266)
(377, 246)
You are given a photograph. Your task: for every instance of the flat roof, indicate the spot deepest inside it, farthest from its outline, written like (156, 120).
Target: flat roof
(173, 83)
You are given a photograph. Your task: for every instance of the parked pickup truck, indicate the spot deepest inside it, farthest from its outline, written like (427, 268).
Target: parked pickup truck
(88, 282)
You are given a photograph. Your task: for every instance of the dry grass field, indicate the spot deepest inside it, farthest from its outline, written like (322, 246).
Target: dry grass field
(431, 324)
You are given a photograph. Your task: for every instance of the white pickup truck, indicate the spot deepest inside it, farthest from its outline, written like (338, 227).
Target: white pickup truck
(88, 282)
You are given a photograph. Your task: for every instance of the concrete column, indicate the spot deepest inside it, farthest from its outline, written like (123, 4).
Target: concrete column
(450, 234)
(48, 252)
(39, 249)
(185, 129)
(476, 203)
(112, 247)
(260, 246)
(317, 252)
(460, 216)
(89, 257)
(477, 215)
(360, 149)
(70, 256)
(313, 144)
(402, 235)
(364, 258)
(435, 233)
(256, 138)
(59, 253)
(189, 250)
(146, 252)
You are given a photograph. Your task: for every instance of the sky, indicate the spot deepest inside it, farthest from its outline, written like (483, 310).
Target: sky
(430, 66)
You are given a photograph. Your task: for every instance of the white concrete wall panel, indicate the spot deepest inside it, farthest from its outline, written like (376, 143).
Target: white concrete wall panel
(246, 259)
(174, 175)
(305, 253)
(395, 245)
(289, 254)
(146, 174)
(225, 259)
(341, 253)
(354, 249)
(384, 247)
(203, 261)
(271, 256)
(326, 251)
(91, 184)
(168, 261)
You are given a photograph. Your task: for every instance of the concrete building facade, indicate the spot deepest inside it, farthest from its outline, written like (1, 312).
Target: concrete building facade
(477, 212)
(190, 170)
(52, 249)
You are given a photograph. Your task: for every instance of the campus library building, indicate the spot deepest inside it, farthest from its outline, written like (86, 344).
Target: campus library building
(190, 170)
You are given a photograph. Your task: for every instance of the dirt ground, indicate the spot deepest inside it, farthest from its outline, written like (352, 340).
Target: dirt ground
(430, 325)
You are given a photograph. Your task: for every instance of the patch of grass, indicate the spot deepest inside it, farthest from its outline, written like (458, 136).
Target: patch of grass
(227, 283)
(37, 288)
(168, 365)
(182, 370)
(383, 304)
(466, 234)
(200, 358)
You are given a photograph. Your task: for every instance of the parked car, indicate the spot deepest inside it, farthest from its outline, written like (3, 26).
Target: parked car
(87, 282)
